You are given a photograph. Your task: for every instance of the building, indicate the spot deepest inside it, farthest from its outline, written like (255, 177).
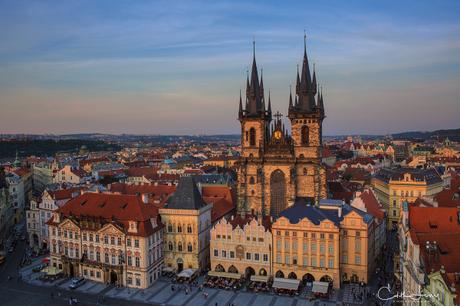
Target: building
(17, 194)
(70, 175)
(242, 245)
(42, 175)
(187, 219)
(429, 253)
(326, 242)
(108, 238)
(395, 186)
(275, 167)
(6, 210)
(40, 212)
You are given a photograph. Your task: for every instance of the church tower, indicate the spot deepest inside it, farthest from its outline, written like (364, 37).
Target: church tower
(306, 115)
(275, 167)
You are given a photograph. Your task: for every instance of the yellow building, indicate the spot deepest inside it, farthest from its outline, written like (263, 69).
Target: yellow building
(187, 220)
(442, 289)
(328, 243)
(394, 186)
(107, 238)
(242, 245)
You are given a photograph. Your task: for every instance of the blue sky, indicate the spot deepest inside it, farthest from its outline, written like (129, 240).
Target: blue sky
(176, 67)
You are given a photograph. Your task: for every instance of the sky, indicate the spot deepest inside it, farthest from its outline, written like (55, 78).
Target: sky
(177, 67)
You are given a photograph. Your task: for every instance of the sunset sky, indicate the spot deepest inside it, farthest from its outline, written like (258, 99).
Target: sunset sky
(176, 67)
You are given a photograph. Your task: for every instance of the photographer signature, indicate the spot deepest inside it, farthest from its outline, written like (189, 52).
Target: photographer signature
(403, 295)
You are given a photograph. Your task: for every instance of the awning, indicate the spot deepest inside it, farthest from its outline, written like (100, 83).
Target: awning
(45, 260)
(51, 270)
(259, 278)
(320, 287)
(286, 283)
(187, 273)
(224, 274)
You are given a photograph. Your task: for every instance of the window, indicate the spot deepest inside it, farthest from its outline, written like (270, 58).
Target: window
(112, 240)
(357, 259)
(313, 235)
(321, 236)
(331, 249)
(119, 241)
(106, 239)
(224, 253)
(179, 247)
(251, 180)
(278, 244)
(232, 254)
(305, 246)
(322, 248)
(265, 257)
(113, 259)
(358, 234)
(170, 228)
(189, 247)
(331, 236)
(77, 253)
(304, 135)
(97, 239)
(294, 260)
(216, 253)
(287, 259)
(278, 258)
(189, 229)
(136, 243)
(138, 262)
(331, 263)
(170, 246)
(248, 256)
(313, 247)
(98, 256)
(98, 274)
(286, 245)
(357, 245)
(179, 228)
(128, 242)
(256, 257)
(138, 281)
(345, 233)
(313, 261)
(252, 137)
(321, 262)
(344, 258)
(90, 237)
(294, 245)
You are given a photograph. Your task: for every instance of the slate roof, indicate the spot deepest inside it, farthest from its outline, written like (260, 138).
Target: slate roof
(301, 209)
(187, 196)
(397, 174)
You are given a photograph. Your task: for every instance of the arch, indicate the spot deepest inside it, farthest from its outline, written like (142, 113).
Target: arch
(189, 229)
(263, 272)
(170, 246)
(252, 137)
(292, 275)
(189, 247)
(179, 246)
(279, 274)
(304, 132)
(326, 278)
(277, 192)
(219, 268)
(232, 269)
(249, 271)
(251, 180)
(308, 278)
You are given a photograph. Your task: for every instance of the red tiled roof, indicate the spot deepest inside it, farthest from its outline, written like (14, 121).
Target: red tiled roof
(373, 206)
(112, 207)
(450, 197)
(222, 198)
(141, 171)
(63, 194)
(93, 160)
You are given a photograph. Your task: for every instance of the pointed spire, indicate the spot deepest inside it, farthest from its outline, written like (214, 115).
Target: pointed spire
(321, 102)
(269, 110)
(313, 82)
(261, 81)
(240, 110)
(297, 84)
(291, 106)
(305, 92)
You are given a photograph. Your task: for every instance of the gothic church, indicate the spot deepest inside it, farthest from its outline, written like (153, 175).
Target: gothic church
(276, 166)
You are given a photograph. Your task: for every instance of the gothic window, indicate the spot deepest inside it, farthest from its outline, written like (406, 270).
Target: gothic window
(189, 247)
(304, 135)
(252, 137)
(251, 180)
(277, 192)
(170, 246)
(179, 247)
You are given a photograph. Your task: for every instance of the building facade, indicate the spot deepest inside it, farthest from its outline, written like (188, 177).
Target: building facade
(276, 167)
(108, 238)
(242, 245)
(395, 186)
(187, 220)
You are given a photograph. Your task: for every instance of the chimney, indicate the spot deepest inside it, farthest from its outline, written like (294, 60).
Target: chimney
(145, 198)
(339, 211)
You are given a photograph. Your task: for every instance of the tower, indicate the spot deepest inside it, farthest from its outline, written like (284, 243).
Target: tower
(274, 167)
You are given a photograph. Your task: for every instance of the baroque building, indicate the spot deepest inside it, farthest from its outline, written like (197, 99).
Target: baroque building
(276, 166)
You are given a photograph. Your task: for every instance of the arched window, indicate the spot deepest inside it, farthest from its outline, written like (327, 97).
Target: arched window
(251, 180)
(189, 229)
(189, 247)
(252, 137)
(179, 228)
(179, 247)
(170, 228)
(304, 135)
(170, 246)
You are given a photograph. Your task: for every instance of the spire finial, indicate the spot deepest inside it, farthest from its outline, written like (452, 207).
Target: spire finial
(254, 47)
(304, 41)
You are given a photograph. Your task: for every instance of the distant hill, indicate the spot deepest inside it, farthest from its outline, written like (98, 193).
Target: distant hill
(453, 134)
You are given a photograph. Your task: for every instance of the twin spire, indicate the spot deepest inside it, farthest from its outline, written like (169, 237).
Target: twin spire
(305, 91)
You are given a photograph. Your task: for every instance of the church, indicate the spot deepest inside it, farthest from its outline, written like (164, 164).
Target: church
(277, 166)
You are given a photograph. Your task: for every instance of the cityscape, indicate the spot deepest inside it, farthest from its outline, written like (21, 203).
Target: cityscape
(276, 188)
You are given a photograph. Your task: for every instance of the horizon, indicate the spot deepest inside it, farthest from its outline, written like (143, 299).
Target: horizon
(177, 68)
